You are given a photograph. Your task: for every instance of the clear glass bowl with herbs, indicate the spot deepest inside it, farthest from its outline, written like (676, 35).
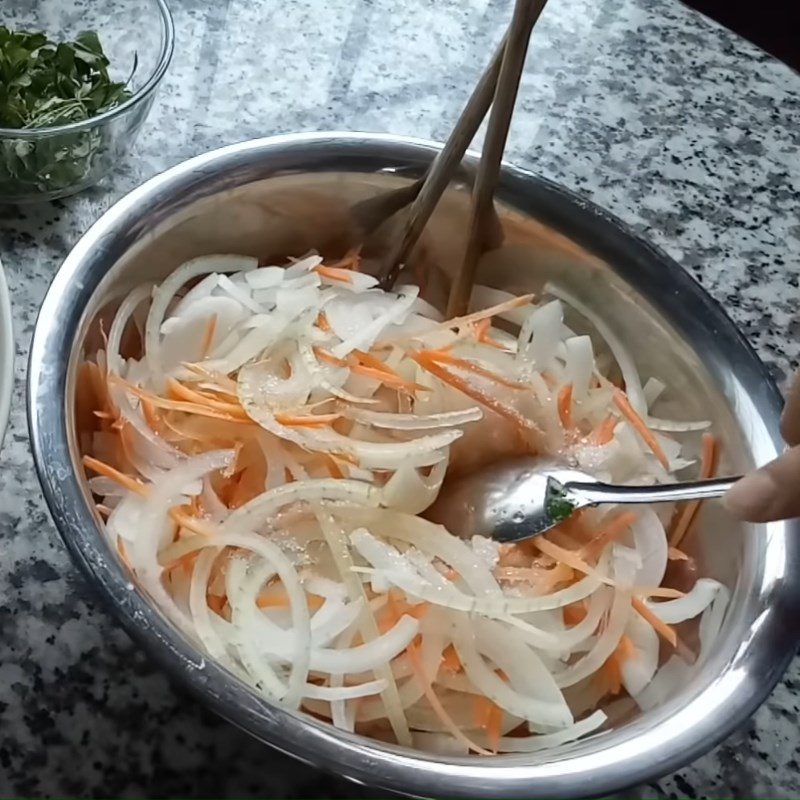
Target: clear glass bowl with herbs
(77, 81)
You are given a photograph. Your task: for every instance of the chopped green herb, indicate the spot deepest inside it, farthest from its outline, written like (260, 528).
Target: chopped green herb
(557, 505)
(45, 84)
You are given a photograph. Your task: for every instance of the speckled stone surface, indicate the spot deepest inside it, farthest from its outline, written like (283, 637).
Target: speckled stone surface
(686, 132)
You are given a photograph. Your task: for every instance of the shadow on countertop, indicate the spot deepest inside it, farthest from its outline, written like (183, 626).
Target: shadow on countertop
(774, 25)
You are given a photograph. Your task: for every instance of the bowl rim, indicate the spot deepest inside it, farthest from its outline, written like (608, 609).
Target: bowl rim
(149, 86)
(299, 735)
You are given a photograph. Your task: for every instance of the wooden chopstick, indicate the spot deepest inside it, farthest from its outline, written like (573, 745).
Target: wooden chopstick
(526, 13)
(443, 168)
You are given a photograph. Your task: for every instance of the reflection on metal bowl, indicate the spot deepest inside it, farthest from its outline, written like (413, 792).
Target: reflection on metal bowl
(284, 195)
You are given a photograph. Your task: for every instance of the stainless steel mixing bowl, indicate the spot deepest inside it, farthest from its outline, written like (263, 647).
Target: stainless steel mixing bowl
(283, 195)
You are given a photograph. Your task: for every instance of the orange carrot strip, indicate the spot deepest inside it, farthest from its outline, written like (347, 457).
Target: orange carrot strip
(103, 510)
(469, 319)
(322, 322)
(611, 672)
(177, 405)
(328, 358)
(183, 392)
(481, 709)
(101, 468)
(494, 727)
(369, 360)
(388, 379)
(610, 533)
(442, 357)
(623, 404)
(123, 554)
(604, 432)
(658, 591)
(334, 273)
(625, 649)
(350, 260)
(444, 375)
(313, 601)
(565, 407)
(208, 337)
(708, 468)
(569, 557)
(574, 613)
(306, 420)
(482, 329)
(674, 554)
(436, 705)
(450, 660)
(658, 625)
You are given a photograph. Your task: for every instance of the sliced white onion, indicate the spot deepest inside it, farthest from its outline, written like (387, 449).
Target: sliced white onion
(690, 605)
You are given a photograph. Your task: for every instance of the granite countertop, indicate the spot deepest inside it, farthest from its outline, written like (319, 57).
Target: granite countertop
(688, 133)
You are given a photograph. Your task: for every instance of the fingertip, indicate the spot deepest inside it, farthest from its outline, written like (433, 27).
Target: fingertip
(750, 498)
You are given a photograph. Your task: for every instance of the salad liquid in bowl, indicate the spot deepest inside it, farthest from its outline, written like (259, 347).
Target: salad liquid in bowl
(261, 199)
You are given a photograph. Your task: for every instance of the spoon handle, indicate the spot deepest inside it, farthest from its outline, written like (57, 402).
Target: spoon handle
(594, 493)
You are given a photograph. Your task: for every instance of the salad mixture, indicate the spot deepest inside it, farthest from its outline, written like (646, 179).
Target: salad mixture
(263, 442)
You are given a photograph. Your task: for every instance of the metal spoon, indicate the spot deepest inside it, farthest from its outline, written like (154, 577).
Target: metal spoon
(524, 497)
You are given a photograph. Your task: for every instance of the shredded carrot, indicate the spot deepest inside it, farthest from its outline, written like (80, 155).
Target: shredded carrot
(322, 322)
(123, 554)
(368, 366)
(613, 675)
(494, 727)
(216, 603)
(469, 319)
(610, 533)
(103, 510)
(626, 648)
(436, 704)
(674, 554)
(450, 660)
(388, 379)
(334, 273)
(604, 432)
(313, 601)
(481, 711)
(574, 613)
(667, 632)
(101, 468)
(565, 407)
(658, 591)
(351, 260)
(444, 375)
(177, 405)
(569, 557)
(482, 329)
(440, 356)
(185, 562)
(708, 468)
(208, 337)
(182, 392)
(306, 420)
(329, 358)
(369, 360)
(623, 404)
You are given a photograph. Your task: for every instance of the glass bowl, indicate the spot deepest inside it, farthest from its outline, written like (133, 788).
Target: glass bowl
(137, 37)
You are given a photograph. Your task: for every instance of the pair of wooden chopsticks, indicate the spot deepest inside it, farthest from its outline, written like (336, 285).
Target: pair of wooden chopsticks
(497, 87)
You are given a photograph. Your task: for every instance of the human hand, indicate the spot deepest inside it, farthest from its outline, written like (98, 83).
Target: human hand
(773, 492)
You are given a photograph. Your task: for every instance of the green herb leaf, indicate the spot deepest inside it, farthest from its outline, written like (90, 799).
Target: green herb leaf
(45, 84)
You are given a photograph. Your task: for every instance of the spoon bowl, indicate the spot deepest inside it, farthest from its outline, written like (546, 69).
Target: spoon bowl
(523, 497)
